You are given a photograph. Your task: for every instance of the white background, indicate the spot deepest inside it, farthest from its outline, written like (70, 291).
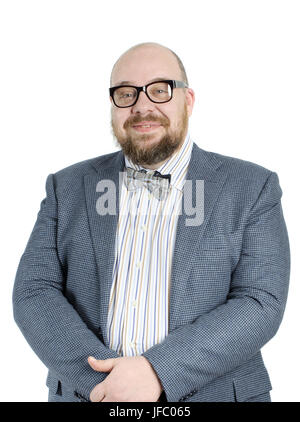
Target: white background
(242, 60)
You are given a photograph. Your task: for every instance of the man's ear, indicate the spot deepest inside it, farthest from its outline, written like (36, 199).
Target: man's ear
(190, 100)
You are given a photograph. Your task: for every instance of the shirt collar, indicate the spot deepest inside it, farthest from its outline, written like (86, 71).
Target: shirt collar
(176, 165)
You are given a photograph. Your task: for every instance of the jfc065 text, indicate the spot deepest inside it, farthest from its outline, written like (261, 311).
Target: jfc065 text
(171, 411)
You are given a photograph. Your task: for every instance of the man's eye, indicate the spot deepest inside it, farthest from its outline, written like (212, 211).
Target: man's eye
(126, 95)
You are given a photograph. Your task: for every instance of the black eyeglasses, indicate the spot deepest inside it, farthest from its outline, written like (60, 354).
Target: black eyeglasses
(157, 92)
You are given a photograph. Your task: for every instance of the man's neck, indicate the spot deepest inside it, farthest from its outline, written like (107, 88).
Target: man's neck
(156, 166)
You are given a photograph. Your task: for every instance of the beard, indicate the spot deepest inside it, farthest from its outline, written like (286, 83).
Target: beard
(134, 146)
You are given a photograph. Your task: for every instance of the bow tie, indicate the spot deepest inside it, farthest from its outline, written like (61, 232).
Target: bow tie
(158, 184)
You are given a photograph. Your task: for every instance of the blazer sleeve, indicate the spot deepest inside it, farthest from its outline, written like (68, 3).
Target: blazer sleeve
(217, 342)
(49, 323)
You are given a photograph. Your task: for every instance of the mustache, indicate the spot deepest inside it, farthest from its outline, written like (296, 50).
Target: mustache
(164, 121)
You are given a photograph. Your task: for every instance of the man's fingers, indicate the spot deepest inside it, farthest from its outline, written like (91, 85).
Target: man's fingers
(100, 365)
(97, 394)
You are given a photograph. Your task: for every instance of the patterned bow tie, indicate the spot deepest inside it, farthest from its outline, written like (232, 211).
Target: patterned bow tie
(158, 184)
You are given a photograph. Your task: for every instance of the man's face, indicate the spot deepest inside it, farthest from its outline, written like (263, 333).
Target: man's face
(169, 121)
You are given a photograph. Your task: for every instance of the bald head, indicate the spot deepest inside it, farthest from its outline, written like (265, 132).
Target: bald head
(146, 52)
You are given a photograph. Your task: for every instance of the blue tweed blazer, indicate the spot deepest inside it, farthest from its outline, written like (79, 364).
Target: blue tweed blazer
(229, 282)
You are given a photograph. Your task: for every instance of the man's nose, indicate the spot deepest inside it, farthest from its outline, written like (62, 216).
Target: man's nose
(143, 104)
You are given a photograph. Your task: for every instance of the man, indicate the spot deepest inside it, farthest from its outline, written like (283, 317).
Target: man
(133, 287)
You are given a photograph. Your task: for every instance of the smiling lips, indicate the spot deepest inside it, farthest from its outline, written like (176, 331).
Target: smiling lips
(146, 126)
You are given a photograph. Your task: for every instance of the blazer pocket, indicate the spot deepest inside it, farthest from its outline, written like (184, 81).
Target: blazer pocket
(53, 384)
(251, 385)
(212, 243)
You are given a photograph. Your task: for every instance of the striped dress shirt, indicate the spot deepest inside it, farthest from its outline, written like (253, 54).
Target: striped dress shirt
(138, 313)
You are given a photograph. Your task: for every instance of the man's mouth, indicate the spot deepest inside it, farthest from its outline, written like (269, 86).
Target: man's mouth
(146, 126)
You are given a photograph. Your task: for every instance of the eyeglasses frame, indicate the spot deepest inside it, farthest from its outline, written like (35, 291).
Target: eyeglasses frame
(172, 83)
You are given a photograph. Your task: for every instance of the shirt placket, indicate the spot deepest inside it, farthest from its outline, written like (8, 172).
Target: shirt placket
(138, 208)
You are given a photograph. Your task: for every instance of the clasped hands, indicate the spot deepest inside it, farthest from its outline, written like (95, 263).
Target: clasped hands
(130, 379)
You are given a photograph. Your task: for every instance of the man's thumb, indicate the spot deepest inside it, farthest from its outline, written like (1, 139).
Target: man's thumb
(101, 365)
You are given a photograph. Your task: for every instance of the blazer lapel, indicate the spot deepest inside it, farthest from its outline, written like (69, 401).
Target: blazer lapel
(103, 227)
(203, 167)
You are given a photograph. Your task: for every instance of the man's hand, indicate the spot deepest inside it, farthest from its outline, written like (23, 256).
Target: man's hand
(131, 379)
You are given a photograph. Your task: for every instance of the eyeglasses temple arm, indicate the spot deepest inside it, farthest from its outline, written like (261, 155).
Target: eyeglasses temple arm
(180, 84)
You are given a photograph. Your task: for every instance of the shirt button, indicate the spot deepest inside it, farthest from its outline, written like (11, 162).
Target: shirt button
(131, 344)
(134, 303)
(138, 264)
(143, 227)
